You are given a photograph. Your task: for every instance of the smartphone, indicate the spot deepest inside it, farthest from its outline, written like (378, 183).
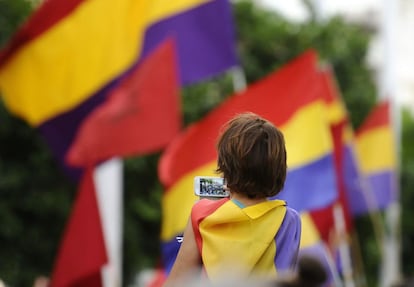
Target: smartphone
(209, 187)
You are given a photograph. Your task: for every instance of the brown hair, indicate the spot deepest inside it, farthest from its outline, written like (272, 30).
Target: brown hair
(252, 156)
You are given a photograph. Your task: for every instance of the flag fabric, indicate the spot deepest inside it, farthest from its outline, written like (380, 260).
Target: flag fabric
(74, 53)
(312, 244)
(291, 99)
(376, 150)
(141, 115)
(82, 252)
(346, 171)
(273, 242)
(205, 37)
(69, 56)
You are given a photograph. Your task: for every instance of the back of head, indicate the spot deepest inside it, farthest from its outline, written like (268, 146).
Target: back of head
(252, 156)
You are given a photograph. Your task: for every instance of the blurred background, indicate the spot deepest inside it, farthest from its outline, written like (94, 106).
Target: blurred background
(367, 44)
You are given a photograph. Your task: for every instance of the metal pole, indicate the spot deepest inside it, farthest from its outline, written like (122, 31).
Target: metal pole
(391, 262)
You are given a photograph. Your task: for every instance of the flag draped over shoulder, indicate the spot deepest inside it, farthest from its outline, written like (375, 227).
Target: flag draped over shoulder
(376, 150)
(291, 99)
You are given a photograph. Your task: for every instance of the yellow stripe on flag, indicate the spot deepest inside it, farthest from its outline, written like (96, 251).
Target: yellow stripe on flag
(310, 235)
(375, 150)
(307, 136)
(79, 55)
(178, 201)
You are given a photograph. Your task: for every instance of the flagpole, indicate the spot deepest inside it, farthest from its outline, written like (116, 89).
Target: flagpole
(108, 178)
(239, 78)
(391, 262)
(344, 250)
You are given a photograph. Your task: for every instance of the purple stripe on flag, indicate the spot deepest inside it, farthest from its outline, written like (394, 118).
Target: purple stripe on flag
(311, 186)
(287, 241)
(352, 177)
(379, 193)
(205, 39)
(169, 251)
(60, 131)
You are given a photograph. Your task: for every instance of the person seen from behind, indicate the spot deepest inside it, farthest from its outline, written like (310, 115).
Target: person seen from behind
(246, 235)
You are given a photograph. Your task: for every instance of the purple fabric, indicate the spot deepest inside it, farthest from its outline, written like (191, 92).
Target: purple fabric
(206, 46)
(287, 241)
(205, 39)
(382, 191)
(311, 186)
(380, 187)
(60, 131)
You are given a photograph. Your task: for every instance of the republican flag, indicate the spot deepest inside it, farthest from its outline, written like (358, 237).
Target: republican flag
(346, 169)
(376, 150)
(69, 56)
(82, 252)
(291, 99)
(204, 33)
(141, 115)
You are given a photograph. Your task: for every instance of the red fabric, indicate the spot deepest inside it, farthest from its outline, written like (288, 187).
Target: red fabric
(283, 89)
(142, 115)
(48, 14)
(379, 116)
(82, 252)
(324, 218)
(205, 207)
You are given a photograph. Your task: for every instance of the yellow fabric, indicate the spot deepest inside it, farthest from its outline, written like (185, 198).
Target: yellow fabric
(178, 201)
(247, 235)
(79, 55)
(375, 150)
(310, 234)
(297, 132)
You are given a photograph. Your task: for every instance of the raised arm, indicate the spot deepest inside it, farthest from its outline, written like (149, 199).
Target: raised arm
(188, 261)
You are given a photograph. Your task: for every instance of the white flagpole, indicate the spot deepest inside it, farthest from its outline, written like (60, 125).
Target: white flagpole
(344, 250)
(391, 261)
(239, 78)
(108, 179)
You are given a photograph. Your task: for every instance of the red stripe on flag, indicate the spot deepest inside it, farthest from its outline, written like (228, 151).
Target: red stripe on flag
(378, 117)
(48, 14)
(82, 252)
(283, 88)
(142, 115)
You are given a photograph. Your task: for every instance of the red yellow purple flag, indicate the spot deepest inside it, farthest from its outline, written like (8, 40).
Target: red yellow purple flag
(291, 99)
(140, 116)
(376, 150)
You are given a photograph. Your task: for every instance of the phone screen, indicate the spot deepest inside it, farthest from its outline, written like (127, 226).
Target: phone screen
(212, 187)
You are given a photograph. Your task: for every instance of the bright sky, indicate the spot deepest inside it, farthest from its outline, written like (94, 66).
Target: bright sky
(402, 47)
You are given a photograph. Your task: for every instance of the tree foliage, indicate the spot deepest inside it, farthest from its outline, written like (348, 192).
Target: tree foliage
(36, 196)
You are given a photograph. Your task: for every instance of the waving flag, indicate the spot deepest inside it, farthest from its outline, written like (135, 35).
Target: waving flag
(70, 56)
(204, 34)
(291, 99)
(376, 151)
(346, 169)
(141, 115)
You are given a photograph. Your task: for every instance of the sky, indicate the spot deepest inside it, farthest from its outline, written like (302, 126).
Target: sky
(393, 62)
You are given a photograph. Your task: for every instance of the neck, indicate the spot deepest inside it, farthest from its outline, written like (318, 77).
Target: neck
(245, 200)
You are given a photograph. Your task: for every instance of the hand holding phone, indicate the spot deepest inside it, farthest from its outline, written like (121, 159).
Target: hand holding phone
(210, 187)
